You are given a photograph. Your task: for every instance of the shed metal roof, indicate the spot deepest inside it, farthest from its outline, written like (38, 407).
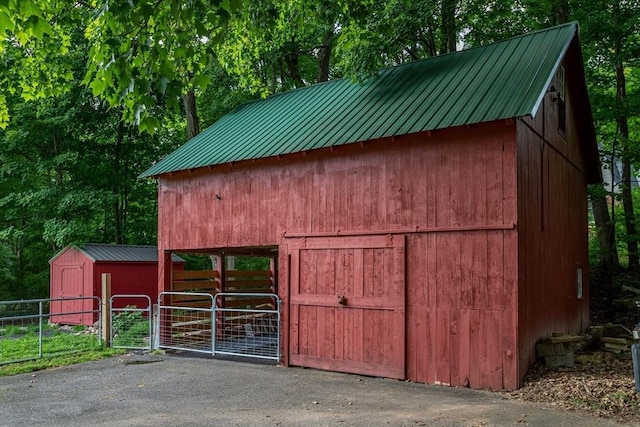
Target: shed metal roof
(498, 81)
(123, 253)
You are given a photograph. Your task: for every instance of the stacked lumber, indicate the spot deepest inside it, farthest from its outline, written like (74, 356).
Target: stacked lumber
(614, 339)
(558, 349)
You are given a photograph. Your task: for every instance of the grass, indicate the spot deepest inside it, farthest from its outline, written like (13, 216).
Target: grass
(57, 361)
(130, 329)
(59, 348)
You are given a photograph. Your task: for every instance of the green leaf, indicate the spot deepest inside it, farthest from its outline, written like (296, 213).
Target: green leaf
(39, 27)
(29, 8)
(149, 124)
(202, 81)
(4, 112)
(97, 86)
(6, 23)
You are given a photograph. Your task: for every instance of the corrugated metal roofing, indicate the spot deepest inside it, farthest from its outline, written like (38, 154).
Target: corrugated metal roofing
(502, 80)
(123, 253)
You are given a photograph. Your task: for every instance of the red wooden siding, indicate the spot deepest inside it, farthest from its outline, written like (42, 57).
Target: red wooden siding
(452, 193)
(462, 297)
(552, 224)
(463, 177)
(128, 279)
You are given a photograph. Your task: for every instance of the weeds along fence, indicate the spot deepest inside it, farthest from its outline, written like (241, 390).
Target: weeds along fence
(131, 325)
(28, 330)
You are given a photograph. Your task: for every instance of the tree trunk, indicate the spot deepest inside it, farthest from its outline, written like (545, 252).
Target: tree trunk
(291, 58)
(629, 217)
(190, 110)
(324, 56)
(606, 233)
(294, 72)
(627, 198)
(560, 11)
(449, 32)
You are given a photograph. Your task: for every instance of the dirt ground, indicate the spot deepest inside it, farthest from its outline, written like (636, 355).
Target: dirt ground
(600, 384)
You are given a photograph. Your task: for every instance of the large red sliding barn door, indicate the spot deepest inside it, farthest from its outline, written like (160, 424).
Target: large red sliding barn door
(347, 304)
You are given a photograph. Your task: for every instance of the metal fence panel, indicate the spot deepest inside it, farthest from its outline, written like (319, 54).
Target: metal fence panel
(184, 327)
(131, 325)
(247, 331)
(26, 333)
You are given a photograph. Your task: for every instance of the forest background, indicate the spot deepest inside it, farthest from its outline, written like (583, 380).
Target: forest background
(93, 92)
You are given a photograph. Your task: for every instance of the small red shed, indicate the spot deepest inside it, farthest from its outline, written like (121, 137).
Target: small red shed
(429, 224)
(77, 272)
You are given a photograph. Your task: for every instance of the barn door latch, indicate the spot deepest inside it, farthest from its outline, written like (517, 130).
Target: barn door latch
(342, 300)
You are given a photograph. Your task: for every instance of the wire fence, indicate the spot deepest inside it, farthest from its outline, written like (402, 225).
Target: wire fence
(236, 324)
(225, 324)
(185, 321)
(28, 330)
(247, 330)
(131, 325)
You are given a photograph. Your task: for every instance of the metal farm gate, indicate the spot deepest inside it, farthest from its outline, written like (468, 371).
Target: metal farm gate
(131, 324)
(247, 325)
(235, 324)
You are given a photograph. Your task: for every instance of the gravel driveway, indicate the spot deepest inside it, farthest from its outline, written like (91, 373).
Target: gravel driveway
(191, 391)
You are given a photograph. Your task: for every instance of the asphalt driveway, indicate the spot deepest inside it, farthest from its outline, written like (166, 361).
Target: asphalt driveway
(191, 391)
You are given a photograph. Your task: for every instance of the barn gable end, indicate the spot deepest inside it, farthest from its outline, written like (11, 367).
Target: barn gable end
(408, 217)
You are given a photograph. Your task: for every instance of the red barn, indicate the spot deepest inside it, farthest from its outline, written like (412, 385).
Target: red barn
(430, 224)
(77, 272)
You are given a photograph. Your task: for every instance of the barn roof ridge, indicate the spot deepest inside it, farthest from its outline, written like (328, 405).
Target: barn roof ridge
(501, 80)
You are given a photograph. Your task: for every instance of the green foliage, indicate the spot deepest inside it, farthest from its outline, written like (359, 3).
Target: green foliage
(141, 54)
(147, 50)
(69, 176)
(35, 36)
(252, 263)
(275, 46)
(221, 96)
(130, 329)
(70, 71)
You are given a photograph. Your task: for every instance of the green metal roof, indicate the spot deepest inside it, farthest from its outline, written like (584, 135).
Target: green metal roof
(498, 81)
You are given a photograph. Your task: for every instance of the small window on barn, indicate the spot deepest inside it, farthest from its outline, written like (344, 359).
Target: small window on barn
(562, 110)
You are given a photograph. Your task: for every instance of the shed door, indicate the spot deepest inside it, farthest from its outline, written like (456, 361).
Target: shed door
(347, 304)
(70, 284)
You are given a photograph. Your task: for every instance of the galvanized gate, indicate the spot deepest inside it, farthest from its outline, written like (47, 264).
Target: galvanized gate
(185, 321)
(244, 328)
(131, 324)
(225, 324)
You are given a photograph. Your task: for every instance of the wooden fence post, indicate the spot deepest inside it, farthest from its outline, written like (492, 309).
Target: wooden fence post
(106, 312)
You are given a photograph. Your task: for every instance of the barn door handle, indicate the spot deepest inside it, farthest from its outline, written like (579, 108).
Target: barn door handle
(342, 300)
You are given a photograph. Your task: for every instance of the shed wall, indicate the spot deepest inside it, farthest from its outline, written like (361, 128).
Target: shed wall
(452, 193)
(128, 278)
(553, 224)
